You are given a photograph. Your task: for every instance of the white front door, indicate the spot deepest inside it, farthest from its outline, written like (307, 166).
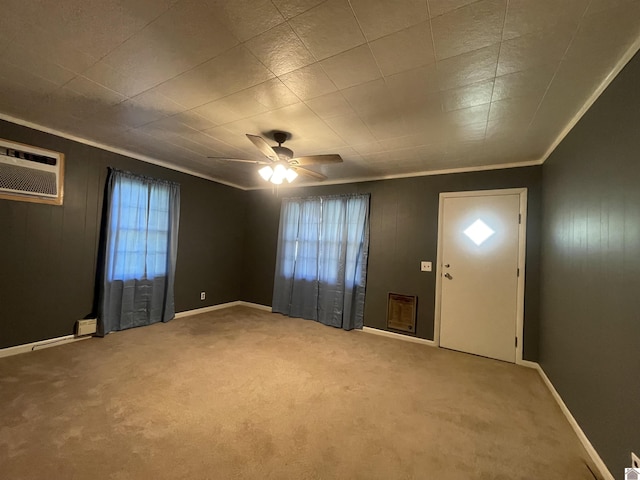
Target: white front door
(479, 255)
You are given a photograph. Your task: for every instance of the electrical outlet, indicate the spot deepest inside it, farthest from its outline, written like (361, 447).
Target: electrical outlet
(425, 266)
(635, 461)
(203, 295)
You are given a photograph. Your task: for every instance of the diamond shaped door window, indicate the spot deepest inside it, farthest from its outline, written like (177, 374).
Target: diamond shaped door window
(479, 232)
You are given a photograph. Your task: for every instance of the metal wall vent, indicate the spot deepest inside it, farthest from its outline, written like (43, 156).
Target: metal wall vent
(401, 312)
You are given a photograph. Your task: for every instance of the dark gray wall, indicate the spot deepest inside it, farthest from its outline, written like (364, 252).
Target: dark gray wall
(404, 230)
(590, 300)
(48, 253)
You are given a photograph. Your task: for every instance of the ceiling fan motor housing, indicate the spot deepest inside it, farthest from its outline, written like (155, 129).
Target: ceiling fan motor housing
(284, 153)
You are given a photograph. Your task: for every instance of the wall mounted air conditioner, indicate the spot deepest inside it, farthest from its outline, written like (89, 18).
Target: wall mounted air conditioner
(31, 174)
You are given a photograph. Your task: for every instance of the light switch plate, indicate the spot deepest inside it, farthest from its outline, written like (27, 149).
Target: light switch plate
(425, 266)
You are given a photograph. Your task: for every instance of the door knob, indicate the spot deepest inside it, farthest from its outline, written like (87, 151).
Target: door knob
(448, 275)
(446, 265)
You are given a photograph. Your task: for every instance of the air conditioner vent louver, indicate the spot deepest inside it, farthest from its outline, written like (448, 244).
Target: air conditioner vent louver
(27, 179)
(30, 174)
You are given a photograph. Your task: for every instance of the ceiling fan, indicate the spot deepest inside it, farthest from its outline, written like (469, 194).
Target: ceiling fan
(280, 164)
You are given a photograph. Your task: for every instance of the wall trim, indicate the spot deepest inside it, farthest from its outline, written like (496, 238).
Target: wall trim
(33, 346)
(212, 308)
(600, 465)
(397, 336)
(257, 306)
(220, 306)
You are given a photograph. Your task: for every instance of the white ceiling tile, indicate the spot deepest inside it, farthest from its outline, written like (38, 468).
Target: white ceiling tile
(194, 120)
(218, 112)
(28, 60)
(517, 110)
(525, 83)
(309, 82)
(350, 128)
(328, 29)
(95, 91)
(280, 50)
(117, 80)
(271, 94)
(467, 116)
(228, 73)
(330, 105)
(538, 48)
(370, 98)
(526, 16)
(246, 18)
(292, 8)
(599, 6)
(144, 108)
(467, 96)
(378, 18)
(468, 28)
(42, 43)
(414, 86)
(93, 26)
(185, 36)
(468, 68)
(404, 50)
(130, 114)
(274, 94)
(390, 125)
(439, 7)
(352, 67)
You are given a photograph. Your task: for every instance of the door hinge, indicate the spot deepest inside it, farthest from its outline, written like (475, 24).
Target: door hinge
(516, 342)
(518, 272)
(519, 218)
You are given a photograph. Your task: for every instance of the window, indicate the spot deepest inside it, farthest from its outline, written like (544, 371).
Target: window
(317, 233)
(140, 252)
(322, 259)
(139, 230)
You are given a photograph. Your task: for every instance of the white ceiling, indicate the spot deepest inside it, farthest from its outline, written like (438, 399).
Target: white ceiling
(395, 87)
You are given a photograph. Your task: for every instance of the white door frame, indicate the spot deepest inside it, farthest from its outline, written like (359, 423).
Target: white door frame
(522, 243)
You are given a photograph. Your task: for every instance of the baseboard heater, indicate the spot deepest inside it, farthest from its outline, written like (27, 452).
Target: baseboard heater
(86, 327)
(401, 312)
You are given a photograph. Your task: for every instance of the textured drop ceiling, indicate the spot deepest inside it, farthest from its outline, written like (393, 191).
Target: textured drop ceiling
(395, 87)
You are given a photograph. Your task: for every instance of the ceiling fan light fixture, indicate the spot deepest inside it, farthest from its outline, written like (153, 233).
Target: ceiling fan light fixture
(279, 174)
(291, 175)
(266, 172)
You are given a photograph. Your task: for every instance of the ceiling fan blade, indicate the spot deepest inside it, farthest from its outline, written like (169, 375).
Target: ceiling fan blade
(264, 147)
(310, 173)
(315, 160)
(227, 159)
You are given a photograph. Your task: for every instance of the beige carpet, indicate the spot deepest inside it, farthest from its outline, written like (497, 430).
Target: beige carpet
(241, 393)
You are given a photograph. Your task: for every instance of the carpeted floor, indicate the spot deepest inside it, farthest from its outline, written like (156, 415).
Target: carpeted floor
(245, 394)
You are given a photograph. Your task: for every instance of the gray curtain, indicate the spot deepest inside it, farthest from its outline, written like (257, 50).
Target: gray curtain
(321, 265)
(140, 252)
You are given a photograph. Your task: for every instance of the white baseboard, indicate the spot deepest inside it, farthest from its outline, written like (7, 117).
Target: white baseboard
(398, 336)
(30, 347)
(600, 465)
(212, 308)
(197, 311)
(257, 306)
